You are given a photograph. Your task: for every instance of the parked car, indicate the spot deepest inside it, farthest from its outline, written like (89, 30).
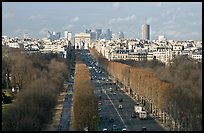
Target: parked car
(111, 120)
(120, 106)
(120, 100)
(99, 109)
(144, 129)
(115, 128)
(133, 115)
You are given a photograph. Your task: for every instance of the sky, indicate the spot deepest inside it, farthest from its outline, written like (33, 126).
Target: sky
(175, 20)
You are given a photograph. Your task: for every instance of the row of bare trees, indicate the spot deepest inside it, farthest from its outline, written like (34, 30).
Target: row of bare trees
(40, 78)
(172, 93)
(84, 101)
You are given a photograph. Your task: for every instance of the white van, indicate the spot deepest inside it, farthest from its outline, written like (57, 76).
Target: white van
(142, 115)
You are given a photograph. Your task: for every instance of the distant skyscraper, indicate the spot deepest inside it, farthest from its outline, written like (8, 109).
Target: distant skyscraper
(108, 34)
(93, 35)
(57, 35)
(146, 32)
(102, 36)
(114, 36)
(49, 35)
(68, 35)
(98, 33)
(25, 35)
(121, 35)
(162, 38)
(53, 35)
(88, 31)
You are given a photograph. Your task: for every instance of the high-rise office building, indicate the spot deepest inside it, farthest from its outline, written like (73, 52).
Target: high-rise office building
(57, 36)
(145, 32)
(68, 35)
(121, 35)
(98, 33)
(49, 34)
(93, 35)
(53, 35)
(108, 34)
(88, 31)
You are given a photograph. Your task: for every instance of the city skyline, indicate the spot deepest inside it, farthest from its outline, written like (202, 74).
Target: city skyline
(175, 20)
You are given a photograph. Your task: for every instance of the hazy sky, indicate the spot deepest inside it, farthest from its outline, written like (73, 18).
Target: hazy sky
(175, 20)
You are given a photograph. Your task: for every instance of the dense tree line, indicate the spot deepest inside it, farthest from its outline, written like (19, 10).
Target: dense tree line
(39, 78)
(172, 93)
(186, 94)
(84, 101)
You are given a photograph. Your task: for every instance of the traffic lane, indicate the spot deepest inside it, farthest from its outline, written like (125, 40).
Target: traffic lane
(65, 114)
(105, 108)
(125, 113)
(128, 109)
(122, 110)
(108, 111)
(112, 110)
(150, 124)
(113, 114)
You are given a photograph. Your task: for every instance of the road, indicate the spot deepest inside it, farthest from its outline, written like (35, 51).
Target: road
(110, 102)
(65, 120)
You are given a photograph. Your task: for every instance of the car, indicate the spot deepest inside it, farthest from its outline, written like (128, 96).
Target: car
(120, 106)
(101, 117)
(99, 103)
(114, 93)
(120, 100)
(114, 128)
(144, 129)
(124, 129)
(111, 120)
(105, 129)
(133, 115)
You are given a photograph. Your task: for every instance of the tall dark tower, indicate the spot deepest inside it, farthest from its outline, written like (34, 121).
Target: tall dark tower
(145, 32)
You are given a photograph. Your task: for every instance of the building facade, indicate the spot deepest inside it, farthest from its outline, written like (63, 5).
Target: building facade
(68, 35)
(98, 33)
(145, 32)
